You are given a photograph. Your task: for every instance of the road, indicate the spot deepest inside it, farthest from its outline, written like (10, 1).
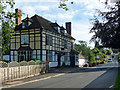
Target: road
(101, 76)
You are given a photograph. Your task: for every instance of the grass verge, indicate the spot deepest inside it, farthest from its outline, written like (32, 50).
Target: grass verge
(117, 83)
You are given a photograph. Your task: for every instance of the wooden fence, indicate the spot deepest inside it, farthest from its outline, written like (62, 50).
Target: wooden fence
(14, 70)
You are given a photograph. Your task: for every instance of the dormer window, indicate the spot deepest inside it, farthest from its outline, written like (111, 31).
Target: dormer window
(23, 25)
(59, 29)
(65, 31)
(26, 23)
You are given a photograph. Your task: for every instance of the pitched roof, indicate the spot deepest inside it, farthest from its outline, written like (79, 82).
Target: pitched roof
(40, 22)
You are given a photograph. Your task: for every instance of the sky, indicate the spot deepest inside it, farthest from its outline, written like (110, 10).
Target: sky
(79, 13)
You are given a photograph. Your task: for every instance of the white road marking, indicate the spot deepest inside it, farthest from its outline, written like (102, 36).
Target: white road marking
(111, 86)
(8, 86)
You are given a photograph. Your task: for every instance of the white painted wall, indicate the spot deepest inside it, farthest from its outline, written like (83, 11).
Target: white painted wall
(53, 64)
(82, 62)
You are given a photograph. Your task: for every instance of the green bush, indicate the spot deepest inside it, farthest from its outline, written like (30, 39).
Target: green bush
(119, 58)
(117, 84)
(109, 52)
(91, 58)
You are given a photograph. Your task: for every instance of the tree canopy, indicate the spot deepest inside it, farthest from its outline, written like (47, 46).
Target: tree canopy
(107, 30)
(7, 18)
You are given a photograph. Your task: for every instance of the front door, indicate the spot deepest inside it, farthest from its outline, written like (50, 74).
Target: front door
(72, 60)
(21, 58)
(24, 56)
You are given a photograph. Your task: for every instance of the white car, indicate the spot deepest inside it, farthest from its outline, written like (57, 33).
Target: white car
(109, 60)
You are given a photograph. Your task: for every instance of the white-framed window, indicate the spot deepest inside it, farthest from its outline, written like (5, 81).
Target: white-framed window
(23, 24)
(49, 55)
(34, 54)
(25, 39)
(65, 43)
(43, 55)
(49, 40)
(38, 54)
(11, 53)
(59, 29)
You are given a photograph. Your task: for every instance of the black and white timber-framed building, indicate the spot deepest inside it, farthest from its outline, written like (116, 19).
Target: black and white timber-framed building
(37, 38)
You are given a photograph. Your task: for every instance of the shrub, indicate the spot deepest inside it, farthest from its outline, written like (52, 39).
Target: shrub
(119, 58)
(117, 83)
(91, 58)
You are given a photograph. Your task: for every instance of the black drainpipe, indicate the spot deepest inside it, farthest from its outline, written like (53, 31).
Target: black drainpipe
(41, 43)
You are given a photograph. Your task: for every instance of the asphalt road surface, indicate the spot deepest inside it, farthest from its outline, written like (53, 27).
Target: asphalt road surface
(101, 76)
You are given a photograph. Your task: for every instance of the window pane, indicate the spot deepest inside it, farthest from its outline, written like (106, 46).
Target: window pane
(15, 52)
(11, 52)
(16, 58)
(38, 51)
(38, 57)
(34, 54)
(24, 39)
(43, 57)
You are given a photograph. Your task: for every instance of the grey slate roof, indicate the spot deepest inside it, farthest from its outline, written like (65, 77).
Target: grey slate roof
(40, 22)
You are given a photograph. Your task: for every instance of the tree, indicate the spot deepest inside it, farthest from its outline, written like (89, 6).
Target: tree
(91, 58)
(109, 52)
(107, 30)
(63, 4)
(7, 23)
(115, 50)
(104, 51)
(85, 51)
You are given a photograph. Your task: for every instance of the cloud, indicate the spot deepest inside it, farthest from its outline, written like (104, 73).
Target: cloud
(91, 4)
(89, 14)
(28, 10)
(32, 10)
(42, 8)
(81, 31)
(61, 16)
(36, 1)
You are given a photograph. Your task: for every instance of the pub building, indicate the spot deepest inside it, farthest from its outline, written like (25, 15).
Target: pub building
(37, 38)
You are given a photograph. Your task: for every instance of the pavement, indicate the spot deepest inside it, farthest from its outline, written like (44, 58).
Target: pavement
(66, 69)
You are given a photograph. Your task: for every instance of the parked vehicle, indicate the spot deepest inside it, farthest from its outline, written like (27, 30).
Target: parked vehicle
(109, 60)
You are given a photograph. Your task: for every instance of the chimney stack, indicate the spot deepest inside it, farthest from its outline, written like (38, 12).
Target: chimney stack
(69, 27)
(18, 19)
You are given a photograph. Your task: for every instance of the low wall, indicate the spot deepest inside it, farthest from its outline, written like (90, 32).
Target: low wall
(14, 70)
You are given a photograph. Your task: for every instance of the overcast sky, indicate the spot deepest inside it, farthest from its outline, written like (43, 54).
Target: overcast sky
(79, 13)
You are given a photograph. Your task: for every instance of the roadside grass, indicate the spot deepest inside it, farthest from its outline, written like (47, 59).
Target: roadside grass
(117, 83)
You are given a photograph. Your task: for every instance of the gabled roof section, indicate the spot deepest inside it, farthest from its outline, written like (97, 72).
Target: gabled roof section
(46, 24)
(33, 20)
(40, 22)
